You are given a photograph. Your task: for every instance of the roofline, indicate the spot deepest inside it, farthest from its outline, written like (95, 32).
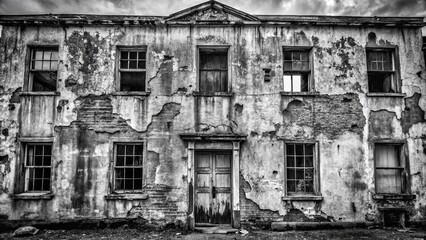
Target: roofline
(95, 19)
(192, 9)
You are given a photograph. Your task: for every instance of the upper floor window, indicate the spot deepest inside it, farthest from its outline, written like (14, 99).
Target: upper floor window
(38, 161)
(128, 167)
(132, 68)
(43, 69)
(297, 70)
(382, 76)
(213, 69)
(389, 169)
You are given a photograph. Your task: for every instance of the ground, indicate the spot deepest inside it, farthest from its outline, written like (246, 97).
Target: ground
(130, 233)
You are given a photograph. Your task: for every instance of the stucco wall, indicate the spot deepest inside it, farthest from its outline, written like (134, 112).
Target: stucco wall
(86, 117)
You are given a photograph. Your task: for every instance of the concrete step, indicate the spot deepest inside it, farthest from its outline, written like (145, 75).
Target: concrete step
(217, 230)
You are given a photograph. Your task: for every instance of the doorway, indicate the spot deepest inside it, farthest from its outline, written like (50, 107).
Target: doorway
(213, 188)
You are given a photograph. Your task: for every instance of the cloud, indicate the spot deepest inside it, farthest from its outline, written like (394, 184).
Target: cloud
(265, 7)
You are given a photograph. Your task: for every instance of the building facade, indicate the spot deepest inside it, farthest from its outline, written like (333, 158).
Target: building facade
(212, 116)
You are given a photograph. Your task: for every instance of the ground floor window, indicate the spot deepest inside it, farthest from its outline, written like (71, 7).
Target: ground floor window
(38, 161)
(389, 170)
(128, 167)
(301, 169)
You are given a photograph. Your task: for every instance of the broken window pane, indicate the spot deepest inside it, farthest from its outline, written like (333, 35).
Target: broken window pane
(44, 81)
(132, 71)
(132, 81)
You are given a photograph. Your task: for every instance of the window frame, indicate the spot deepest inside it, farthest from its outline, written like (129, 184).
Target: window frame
(310, 72)
(29, 73)
(219, 48)
(118, 69)
(395, 78)
(316, 195)
(402, 166)
(116, 142)
(20, 190)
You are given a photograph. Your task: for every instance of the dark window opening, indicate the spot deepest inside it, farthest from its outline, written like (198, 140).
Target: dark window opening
(213, 70)
(128, 167)
(394, 218)
(132, 69)
(381, 74)
(300, 169)
(296, 71)
(38, 160)
(267, 76)
(43, 70)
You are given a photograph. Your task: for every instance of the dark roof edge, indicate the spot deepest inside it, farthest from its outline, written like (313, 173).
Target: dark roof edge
(79, 19)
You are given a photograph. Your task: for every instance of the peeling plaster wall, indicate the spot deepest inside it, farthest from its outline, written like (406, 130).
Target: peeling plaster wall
(86, 117)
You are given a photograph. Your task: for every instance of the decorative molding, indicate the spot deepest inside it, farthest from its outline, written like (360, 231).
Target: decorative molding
(193, 137)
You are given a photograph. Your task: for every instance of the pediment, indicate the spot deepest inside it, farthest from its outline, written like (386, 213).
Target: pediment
(211, 11)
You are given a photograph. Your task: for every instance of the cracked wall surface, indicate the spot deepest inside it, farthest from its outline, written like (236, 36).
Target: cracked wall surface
(86, 117)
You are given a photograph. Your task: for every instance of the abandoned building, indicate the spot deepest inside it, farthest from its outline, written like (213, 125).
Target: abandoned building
(212, 116)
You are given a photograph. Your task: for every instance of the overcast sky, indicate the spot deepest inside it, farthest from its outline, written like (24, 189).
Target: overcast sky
(166, 7)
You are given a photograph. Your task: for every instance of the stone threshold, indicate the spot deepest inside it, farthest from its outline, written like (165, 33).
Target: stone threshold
(216, 229)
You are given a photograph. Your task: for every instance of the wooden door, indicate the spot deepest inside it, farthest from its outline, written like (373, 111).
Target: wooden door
(213, 187)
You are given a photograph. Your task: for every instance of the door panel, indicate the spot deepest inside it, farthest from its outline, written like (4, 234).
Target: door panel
(202, 208)
(213, 188)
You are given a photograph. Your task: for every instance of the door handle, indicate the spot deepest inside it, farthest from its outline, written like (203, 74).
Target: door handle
(214, 192)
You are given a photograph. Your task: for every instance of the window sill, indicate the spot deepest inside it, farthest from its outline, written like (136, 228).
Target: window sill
(299, 94)
(33, 196)
(131, 93)
(373, 94)
(213, 94)
(393, 196)
(40, 94)
(302, 198)
(127, 196)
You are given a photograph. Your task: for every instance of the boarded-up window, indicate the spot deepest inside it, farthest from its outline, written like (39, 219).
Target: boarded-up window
(213, 70)
(388, 169)
(132, 69)
(300, 169)
(43, 69)
(128, 166)
(297, 71)
(38, 161)
(381, 71)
